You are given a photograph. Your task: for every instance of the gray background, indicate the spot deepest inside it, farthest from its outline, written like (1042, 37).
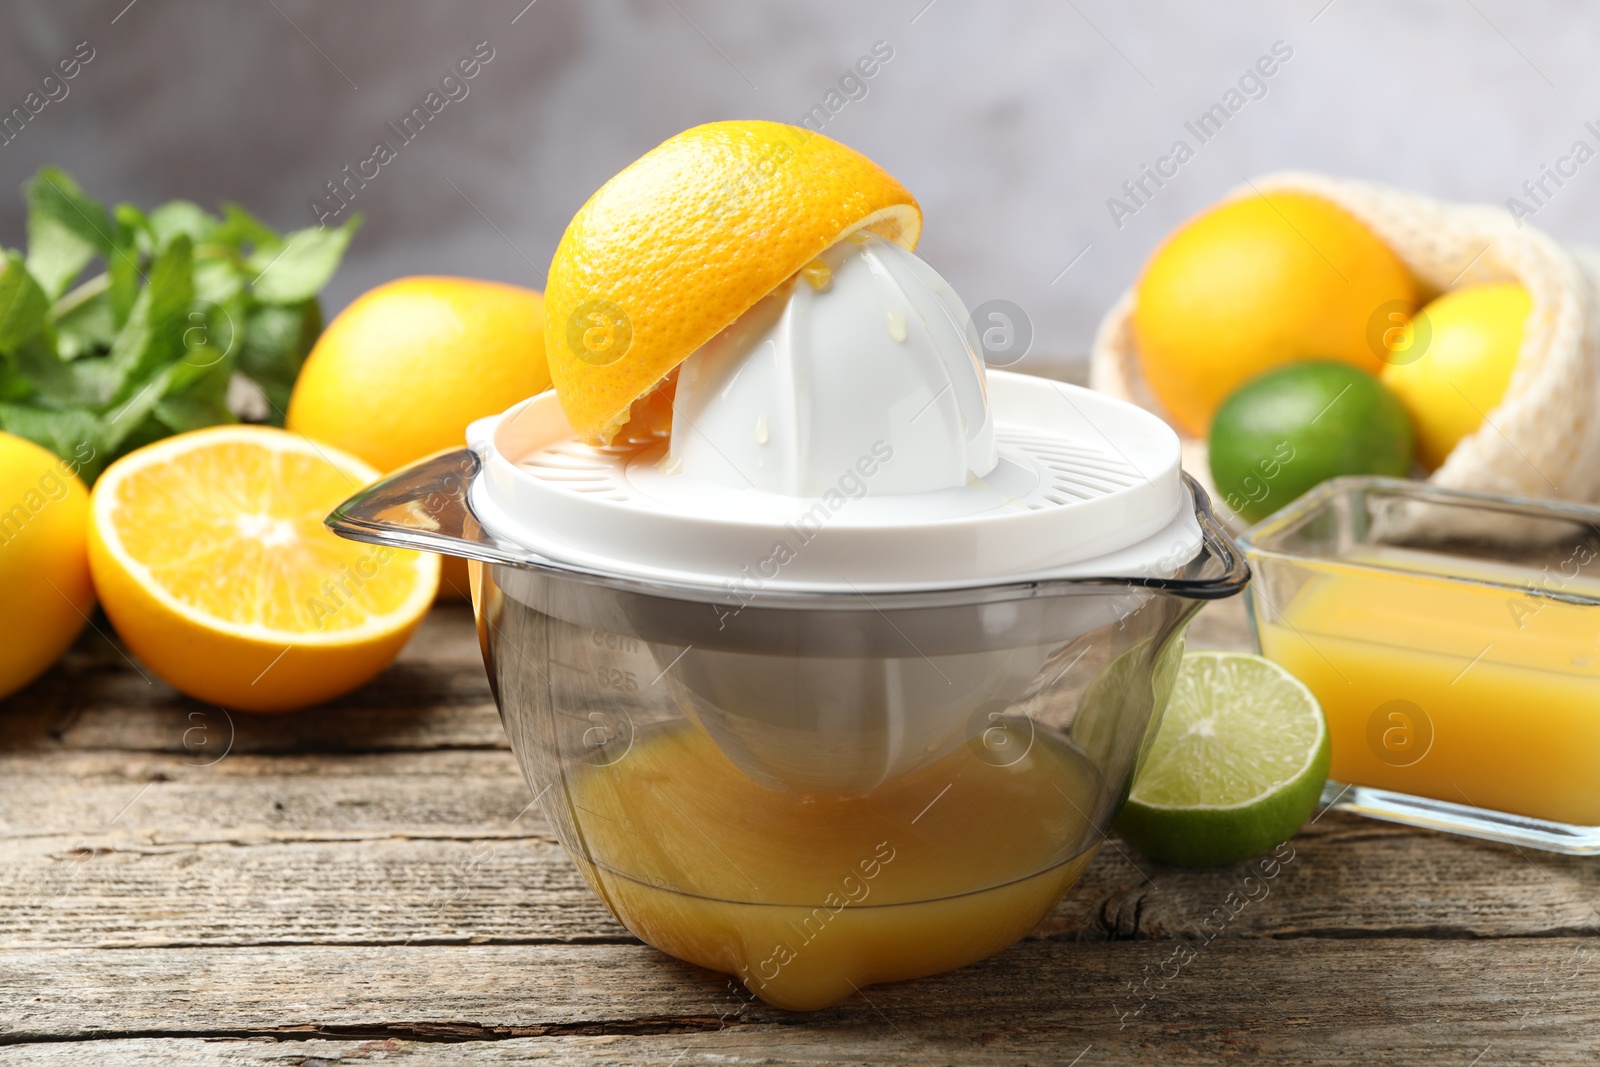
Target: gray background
(1012, 122)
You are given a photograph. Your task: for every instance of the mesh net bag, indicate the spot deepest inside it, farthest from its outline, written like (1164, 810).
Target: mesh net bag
(1543, 440)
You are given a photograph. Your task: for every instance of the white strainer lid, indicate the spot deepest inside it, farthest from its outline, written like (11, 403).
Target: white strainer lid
(1084, 486)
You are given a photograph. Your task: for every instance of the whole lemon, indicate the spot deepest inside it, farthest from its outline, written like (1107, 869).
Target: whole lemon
(45, 592)
(402, 371)
(1257, 283)
(1456, 362)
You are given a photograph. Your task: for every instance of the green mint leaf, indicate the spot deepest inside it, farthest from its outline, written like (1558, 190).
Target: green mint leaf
(152, 337)
(187, 395)
(96, 380)
(298, 271)
(77, 436)
(203, 370)
(129, 217)
(197, 395)
(216, 281)
(133, 230)
(181, 217)
(180, 414)
(66, 229)
(23, 304)
(132, 248)
(14, 388)
(127, 416)
(240, 228)
(87, 328)
(276, 343)
(52, 383)
(123, 270)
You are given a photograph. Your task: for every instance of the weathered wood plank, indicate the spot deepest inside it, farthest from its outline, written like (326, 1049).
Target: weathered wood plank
(378, 891)
(1536, 999)
(435, 695)
(92, 843)
(796, 1045)
(162, 798)
(509, 883)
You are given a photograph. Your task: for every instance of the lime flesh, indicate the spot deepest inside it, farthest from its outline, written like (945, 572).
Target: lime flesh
(1236, 768)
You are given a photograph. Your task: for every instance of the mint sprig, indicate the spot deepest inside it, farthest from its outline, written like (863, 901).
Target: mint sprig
(97, 363)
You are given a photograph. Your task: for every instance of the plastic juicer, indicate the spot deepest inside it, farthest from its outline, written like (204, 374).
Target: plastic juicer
(843, 679)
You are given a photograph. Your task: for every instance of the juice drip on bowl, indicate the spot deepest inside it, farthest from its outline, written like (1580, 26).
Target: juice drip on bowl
(809, 898)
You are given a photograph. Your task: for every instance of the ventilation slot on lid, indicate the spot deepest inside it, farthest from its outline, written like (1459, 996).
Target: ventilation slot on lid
(1072, 470)
(577, 467)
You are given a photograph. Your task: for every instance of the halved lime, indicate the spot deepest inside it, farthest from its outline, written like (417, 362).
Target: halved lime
(1237, 766)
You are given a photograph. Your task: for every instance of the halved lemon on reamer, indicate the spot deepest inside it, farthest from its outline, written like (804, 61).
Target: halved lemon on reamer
(210, 557)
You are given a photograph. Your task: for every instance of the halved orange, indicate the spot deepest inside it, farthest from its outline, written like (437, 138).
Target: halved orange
(210, 557)
(687, 239)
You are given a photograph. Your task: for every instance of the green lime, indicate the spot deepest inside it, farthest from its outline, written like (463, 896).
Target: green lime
(1297, 426)
(1237, 766)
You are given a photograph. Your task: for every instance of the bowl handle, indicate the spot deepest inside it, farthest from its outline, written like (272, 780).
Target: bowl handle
(1230, 571)
(424, 506)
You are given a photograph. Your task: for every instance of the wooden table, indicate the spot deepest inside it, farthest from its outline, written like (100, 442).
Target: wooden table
(364, 883)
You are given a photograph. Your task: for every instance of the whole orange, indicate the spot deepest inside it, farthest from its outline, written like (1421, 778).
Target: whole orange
(1256, 283)
(400, 373)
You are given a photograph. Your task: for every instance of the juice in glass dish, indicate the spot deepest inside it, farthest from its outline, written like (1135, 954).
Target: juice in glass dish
(1454, 643)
